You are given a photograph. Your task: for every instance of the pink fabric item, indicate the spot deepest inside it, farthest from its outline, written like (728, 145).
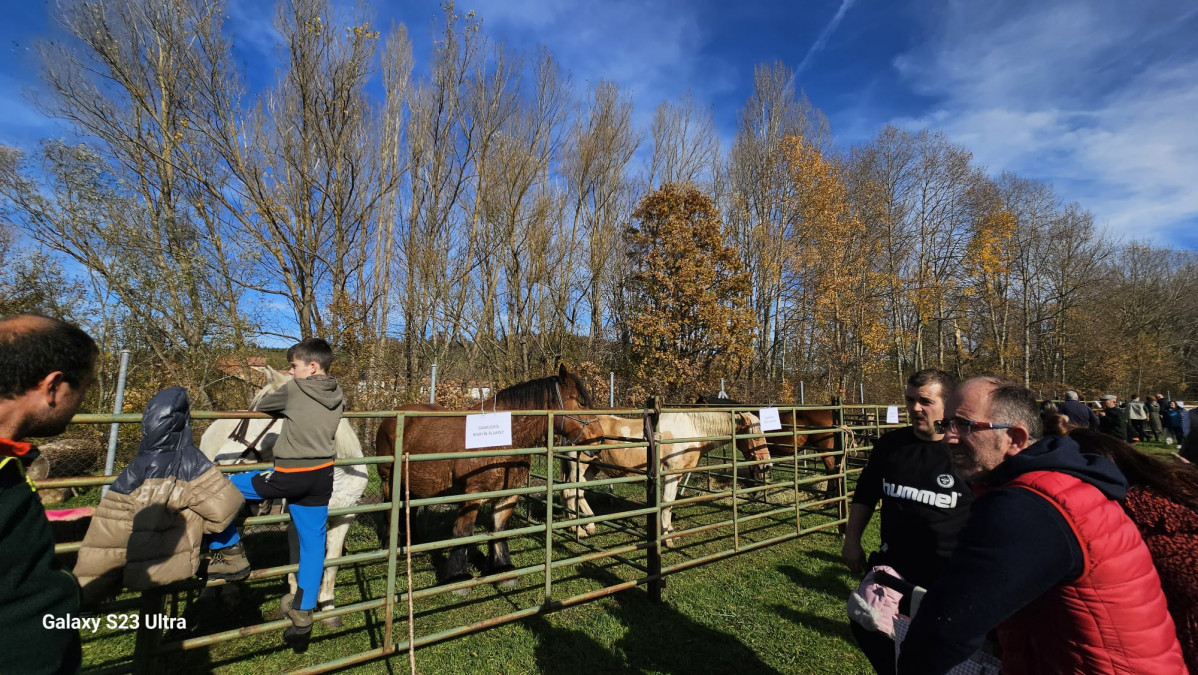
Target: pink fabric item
(882, 598)
(70, 514)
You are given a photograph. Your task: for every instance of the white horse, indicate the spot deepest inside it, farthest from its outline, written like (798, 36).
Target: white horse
(224, 443)
(680, 455)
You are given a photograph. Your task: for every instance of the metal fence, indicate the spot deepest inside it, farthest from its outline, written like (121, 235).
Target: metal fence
(403, 606)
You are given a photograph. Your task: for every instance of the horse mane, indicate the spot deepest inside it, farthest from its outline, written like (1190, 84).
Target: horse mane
(537, 394)
(710, 423)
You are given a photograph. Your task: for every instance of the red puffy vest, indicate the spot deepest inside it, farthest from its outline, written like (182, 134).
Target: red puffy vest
(1111, 619)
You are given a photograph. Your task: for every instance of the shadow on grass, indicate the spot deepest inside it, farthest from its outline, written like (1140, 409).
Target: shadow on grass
(821, 624)
(834, 579)
(658, 639)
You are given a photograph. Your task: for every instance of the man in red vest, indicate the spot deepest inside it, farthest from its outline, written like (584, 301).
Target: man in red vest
(1047, 557)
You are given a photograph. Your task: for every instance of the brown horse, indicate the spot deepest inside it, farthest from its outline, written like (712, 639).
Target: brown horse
(469, 475)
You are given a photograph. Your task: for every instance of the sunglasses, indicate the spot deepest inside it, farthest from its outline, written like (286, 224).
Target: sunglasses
(962, 426)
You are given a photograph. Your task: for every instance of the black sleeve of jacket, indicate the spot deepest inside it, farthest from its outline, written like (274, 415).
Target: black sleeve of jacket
(1093, 418)
(1015, 547)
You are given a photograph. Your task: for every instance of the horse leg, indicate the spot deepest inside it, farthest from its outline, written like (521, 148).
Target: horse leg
(576, 502)
(334, 543)
(570, 495)
(669, 492)
(499, 559)
(583, 504)
(456, 568)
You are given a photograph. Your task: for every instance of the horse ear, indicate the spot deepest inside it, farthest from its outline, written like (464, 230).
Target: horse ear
(562, 373)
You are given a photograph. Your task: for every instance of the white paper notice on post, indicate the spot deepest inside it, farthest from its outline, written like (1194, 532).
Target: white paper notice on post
(769, 419)
(489, 430)
(892, 414)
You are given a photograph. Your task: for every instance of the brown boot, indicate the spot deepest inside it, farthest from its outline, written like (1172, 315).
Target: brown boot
(229, 563)
(300, 630)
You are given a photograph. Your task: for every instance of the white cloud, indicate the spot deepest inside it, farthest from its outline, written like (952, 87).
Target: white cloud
(1094, 97)
(824, 36)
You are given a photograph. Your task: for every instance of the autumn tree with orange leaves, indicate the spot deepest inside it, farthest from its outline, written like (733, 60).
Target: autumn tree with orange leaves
(689, 320)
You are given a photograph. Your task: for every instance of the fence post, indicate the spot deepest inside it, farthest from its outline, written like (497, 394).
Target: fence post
(146, 642)
(611, 389)
(841, 480)
(118, 404)
(653, 498)
(802, 394)
(432, 386)
(570, 478)
(393, 535)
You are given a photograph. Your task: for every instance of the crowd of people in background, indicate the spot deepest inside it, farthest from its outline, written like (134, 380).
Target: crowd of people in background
(1156, 419)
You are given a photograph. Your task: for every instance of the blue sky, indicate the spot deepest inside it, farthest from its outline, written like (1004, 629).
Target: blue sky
(1097, 97)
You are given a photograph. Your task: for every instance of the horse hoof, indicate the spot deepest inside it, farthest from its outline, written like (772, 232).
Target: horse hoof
(668, 543)
(589, 529)
(463, 592)
(333, 622)
(508, 583)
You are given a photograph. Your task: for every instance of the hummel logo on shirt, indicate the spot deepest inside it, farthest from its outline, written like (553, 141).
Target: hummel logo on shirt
(937, 499)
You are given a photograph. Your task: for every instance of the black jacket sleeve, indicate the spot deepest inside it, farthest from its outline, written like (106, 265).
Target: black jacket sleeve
(1015, 547)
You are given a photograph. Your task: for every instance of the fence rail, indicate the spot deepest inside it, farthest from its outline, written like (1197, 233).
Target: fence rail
(728, 516)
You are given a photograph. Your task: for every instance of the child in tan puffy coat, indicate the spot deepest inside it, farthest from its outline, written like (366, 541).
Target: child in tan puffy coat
(148, 528)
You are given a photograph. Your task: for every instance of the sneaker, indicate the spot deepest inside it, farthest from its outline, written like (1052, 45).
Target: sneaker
(229, 563)
(298, 633)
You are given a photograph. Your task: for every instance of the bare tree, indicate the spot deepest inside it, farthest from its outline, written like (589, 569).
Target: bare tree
(686, 145)
(598, 150)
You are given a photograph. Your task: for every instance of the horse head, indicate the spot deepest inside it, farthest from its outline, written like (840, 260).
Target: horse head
(753, 447)
(275, 380)
(572, 394)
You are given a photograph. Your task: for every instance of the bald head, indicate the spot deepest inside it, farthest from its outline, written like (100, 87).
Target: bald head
(32, 347)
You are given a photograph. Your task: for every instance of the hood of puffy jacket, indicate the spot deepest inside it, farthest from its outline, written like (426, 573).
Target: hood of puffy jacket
(1061, 453)
(323, 390)
(165, 421)
(166, 447)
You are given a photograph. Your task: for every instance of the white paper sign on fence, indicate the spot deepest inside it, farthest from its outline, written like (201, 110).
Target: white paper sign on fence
(892, 414)
(488, 431)
(769, 419)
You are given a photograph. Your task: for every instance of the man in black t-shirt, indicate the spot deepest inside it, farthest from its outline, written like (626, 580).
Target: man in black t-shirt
(924, 502)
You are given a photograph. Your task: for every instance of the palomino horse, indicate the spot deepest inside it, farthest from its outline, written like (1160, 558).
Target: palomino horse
(787, 446)
(238, 441)
(684, 454)
(469, 475)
